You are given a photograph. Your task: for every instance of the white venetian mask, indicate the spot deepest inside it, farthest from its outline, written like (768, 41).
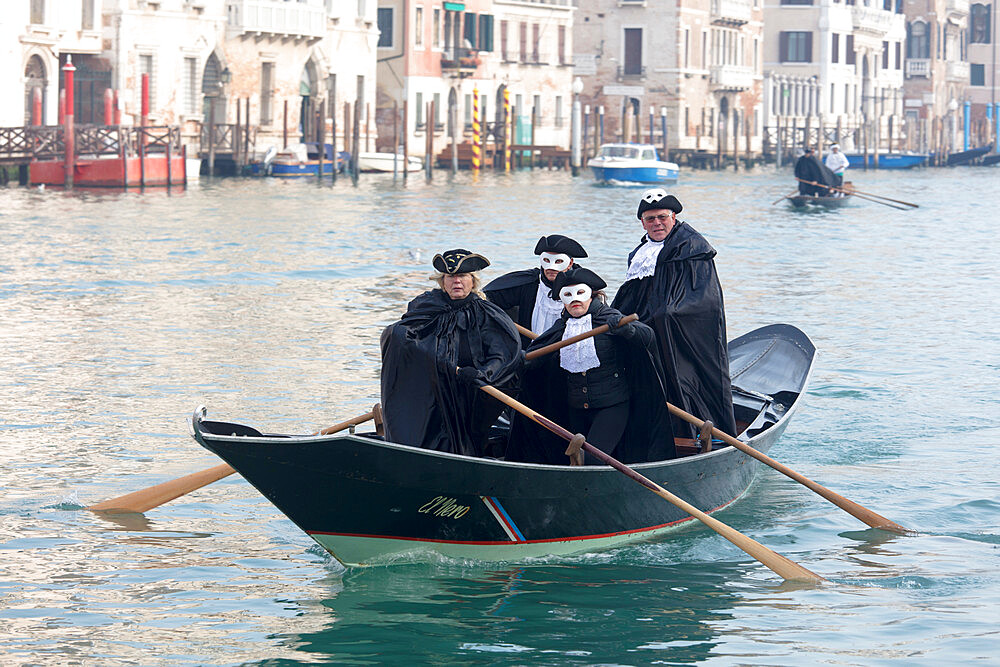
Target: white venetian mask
(556, 261)
(571, 293)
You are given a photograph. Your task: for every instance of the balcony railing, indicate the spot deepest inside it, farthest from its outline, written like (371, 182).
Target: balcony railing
(459, 59)
(870, 20)
(957, 71)
(732, 12)
(276, 17)
(918, 67)
(731, 77)
(631, 74)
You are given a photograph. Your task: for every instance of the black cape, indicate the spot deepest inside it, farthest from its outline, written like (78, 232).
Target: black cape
(809, 168)
(682, 302)
(515, 293)
(648, 436)
(423, 402)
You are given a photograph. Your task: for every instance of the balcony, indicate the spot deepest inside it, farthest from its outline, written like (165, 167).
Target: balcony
(731, 12)
(871, 21)
(957, 7)
(459, 61)
(276, 18)
(731, 77)
(918, 67)
(957, 71)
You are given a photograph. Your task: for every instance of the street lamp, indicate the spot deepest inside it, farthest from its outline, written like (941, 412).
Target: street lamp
(225, 76)
(575, 131)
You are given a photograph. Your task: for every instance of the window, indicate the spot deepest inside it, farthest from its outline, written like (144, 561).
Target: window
(37, 12)
(523, 34)
(979, 24)
(418, 26)
(385, 27)
(191, 85)
(266, 93)
(468, 111)
(687, 47)
(847, 98)
(704, 49)
(633, 52)
(559, 111)
(917, 45)
(977, 74)
(536, 38)
(437, 112)
(469, 31)
(833, 94)
(849, 56)
(796, 2)
(899, 60)
(885, 55)
(562, 45)
(687, 121)
(436, 29)
(756, 58)
(795, 46)
(537, 102)
(486, 32)
(87, 18)
(504, 53)
(420, 111)
(835, 51)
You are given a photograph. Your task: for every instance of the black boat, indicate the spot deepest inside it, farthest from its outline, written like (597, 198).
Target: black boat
(965, 157)
(834, 200)
(367, 501)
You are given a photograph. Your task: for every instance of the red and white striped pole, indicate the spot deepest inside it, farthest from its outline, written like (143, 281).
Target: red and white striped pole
(476, 133)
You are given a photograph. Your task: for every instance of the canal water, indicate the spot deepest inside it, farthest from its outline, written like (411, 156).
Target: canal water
(264, 300)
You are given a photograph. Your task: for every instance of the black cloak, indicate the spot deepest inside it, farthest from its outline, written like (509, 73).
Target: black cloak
(682, 302)
(424, 403)
(515, 293)
(648, 436)
(809, 168)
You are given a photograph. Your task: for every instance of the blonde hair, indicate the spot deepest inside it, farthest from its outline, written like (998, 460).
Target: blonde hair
(477, 282)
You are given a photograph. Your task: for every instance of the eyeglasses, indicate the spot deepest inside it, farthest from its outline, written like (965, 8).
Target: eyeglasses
(663, 217)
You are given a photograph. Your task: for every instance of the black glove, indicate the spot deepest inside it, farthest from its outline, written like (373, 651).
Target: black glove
(612, 320)
(469, 375)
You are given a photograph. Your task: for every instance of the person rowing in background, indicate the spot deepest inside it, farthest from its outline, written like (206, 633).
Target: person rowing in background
(837, 162)
(608, 387)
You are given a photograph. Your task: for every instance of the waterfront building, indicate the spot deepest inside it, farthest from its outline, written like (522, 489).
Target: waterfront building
(284, 57)
(983, 92)
(835, 64)
(36, 38)
(937, 72)
(440, 52)
(697, 61)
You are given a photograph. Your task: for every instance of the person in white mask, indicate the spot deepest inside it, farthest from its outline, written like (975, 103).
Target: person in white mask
(526, 295)
(606, 387)
(672, 285)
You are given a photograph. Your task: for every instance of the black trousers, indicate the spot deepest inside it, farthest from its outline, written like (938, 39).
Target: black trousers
(603, 427)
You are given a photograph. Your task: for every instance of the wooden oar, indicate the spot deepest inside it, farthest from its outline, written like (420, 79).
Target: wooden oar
(853, 192)
(872, 194)
(146, 499)
(866, 515)
(559, 344)
(788, 196)
(783, 567)
(527, 333)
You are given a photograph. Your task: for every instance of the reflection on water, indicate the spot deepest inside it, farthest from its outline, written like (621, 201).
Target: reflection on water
(264, 300)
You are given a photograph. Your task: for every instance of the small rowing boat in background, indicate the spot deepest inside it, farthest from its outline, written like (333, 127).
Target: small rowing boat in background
(834, 200)
(368, 501)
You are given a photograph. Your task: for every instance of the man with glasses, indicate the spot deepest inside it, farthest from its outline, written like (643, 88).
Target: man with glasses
(672, 285)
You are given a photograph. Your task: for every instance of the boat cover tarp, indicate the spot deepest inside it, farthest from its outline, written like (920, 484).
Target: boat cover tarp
(424, 404)
(682, 302)
(648, 435)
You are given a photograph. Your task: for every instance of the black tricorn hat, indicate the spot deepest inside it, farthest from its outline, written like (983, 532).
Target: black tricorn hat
(459, 260)
(575, 276)
(561, 244)
(657, 198)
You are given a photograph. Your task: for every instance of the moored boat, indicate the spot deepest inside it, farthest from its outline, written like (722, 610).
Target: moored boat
(632, 163)
(388, 162)
(966, 157)
(887, 160)
(369, 501)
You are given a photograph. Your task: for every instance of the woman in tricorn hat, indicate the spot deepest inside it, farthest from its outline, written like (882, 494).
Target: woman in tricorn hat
(608, 387)
(449, 341)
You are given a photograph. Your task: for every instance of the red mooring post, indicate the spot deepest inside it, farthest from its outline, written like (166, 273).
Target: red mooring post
(36, 106)
(69, 133)
(116, 108)
(144, 118)
(109, 116)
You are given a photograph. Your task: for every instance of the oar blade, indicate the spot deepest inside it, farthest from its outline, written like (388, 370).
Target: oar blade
(154, 496)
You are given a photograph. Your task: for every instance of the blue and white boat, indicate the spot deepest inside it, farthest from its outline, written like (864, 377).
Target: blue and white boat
(887, 160)
(632, 163)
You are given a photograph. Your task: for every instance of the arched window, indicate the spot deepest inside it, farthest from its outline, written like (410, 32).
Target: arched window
(979, 24)
(917, 44)
(34, 78)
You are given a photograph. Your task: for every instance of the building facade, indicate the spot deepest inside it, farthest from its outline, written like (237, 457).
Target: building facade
(446, 53)
(984, 79)
(835, 64)
(696, 61)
